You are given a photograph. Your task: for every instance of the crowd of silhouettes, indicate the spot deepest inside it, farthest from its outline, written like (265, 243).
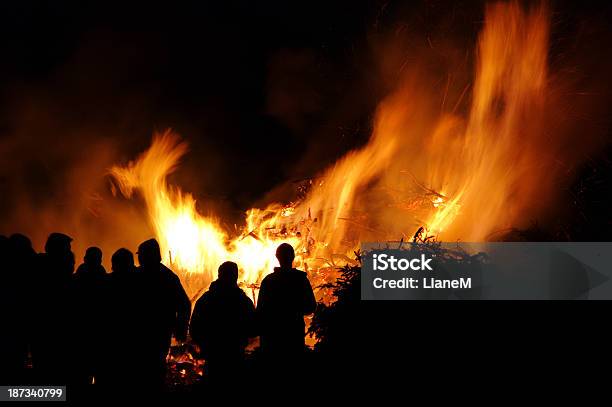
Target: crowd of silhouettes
(84, 327)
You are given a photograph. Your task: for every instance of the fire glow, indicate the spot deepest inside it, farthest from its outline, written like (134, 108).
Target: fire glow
(456, 176)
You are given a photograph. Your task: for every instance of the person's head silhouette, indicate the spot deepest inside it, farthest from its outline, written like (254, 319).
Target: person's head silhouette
(60, 255)
(93, 256)
(122, 261)
(149, 254)
(58, 243)
(228, 274)
(20, 245)
(285, 255)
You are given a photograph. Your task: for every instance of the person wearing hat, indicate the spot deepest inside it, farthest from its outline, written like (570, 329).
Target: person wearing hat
(51, 323)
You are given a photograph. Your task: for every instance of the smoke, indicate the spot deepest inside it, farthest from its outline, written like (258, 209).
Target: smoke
(53, 179)
(60, 134)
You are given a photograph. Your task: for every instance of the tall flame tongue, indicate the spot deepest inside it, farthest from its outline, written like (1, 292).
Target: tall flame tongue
(193, 244)
(478, 175)
(460, 178)
(494, 169)
(188, 240)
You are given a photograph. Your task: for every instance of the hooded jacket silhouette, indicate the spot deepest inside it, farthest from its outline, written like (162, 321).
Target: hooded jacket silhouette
(51, 333)
(124, 308)
(223, 319)
(16, 291)
(166, 308)
(285, 297)
(88, 308)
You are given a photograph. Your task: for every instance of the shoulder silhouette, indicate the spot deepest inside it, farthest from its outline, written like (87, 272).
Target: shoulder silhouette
(16, 270)
(51, 339)
(165, 308)
(91, 270)
(88, 327)
(125, 308)
(223, 321)
(285, 297)
(58, 259)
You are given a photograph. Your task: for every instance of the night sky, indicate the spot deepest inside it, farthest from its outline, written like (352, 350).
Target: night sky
(264, 92)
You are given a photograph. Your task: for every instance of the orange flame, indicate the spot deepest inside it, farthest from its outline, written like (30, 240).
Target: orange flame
(469, 176)
(192, 243)
(491, 175)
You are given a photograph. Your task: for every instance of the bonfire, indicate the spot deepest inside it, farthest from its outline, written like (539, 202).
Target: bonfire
(421, 176)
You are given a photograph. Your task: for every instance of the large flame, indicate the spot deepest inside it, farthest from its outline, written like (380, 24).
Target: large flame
(190, 242)
(458, 177)
(492, 169)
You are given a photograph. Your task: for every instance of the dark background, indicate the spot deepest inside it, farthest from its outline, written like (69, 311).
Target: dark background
(266, 92)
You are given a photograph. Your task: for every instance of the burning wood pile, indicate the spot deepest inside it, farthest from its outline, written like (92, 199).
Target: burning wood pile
(426, 173)
(184, 366)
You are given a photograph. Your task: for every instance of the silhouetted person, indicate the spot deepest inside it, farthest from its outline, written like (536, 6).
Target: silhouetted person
(51, 340)
(7, 369)
(91, 270)
(125, 308)
(284, 299)
(88, 325)
(166, 313)
(17, 261)
(58, 259)
(222, 322)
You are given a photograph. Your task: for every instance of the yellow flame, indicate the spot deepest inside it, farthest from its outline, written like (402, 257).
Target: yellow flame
(485, 164)
(191, 242)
